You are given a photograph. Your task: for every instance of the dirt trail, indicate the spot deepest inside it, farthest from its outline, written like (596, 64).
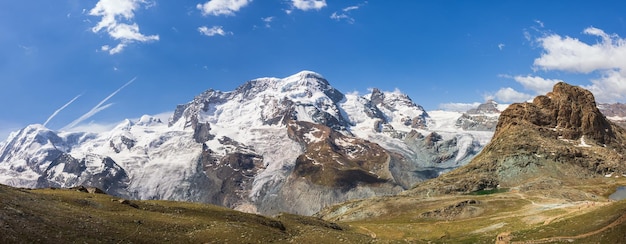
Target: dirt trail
(619, 221)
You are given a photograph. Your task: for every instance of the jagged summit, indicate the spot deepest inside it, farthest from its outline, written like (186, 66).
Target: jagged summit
(559, 137)
(305, 96)
(489, 107)
(570, 112)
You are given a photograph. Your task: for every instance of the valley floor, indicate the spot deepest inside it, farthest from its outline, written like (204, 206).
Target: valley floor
(62, 216)
(508, 217)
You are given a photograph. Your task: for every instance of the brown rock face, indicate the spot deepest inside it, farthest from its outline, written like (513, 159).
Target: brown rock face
(561, 137)
(335, 160)
(569, 110)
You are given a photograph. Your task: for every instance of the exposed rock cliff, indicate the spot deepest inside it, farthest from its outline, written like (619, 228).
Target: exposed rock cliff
(561, 136)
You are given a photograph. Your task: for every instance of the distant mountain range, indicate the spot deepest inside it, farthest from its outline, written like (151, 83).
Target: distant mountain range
(293, 144)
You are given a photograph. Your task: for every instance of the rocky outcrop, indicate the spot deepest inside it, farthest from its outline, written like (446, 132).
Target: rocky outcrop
(561, 135)
(569, 111)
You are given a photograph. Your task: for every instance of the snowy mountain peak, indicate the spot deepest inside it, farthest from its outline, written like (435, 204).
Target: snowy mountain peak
(307, 74)
(399, 109)
(147, 120)
(304, 85)
(305, 96)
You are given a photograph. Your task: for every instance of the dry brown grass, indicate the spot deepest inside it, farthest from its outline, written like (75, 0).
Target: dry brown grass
(67, 216)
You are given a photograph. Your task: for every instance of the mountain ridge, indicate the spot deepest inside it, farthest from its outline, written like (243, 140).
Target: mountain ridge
(251, 148)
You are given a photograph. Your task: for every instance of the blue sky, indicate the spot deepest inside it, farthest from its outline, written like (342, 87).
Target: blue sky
(64, 61)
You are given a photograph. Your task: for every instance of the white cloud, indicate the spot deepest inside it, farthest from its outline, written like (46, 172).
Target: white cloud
(540, 23)
(501, 46)
(268, 21)
(350, 8)
(606, 57)
(510, 95)
(59, 110)
(458, 107)
(609, 88)
(527, 35)
(222, 7)
(341, 16)
(571, 54)
(306, 5)
(215, 30)
(28, 50)
(117, 21)
(99, 107)
(537, 84)
(344, 13)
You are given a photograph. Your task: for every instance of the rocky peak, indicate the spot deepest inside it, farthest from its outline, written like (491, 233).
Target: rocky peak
(398, 107)
(560, 136)
(569, 110)
(490, 106)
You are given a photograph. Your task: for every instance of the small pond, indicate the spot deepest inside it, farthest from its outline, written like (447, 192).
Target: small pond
(489, 192)
(619, 194)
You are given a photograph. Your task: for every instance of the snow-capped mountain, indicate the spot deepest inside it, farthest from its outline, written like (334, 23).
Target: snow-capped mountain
(293, 144)
(484, 117)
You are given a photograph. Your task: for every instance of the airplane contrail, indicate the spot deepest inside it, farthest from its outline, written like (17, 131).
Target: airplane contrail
(59, 110)
(99, 107)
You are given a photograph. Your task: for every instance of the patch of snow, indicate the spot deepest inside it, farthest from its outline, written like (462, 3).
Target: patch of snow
(310, 135)
(583, 143)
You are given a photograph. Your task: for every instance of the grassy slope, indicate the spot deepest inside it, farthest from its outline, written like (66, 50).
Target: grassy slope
(528, 216)
(65, 216)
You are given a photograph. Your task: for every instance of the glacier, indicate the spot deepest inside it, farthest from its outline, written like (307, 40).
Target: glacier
(265, 147)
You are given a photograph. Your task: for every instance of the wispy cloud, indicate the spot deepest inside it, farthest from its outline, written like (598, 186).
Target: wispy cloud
(341, 16)
(350, 8)
(117, 21)
(306, 5)
(28, 50)
(222, 7)
(99, 107)
(215, 30)
(268, 21)
(344, 13)
(59, 110)
(501, 46)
